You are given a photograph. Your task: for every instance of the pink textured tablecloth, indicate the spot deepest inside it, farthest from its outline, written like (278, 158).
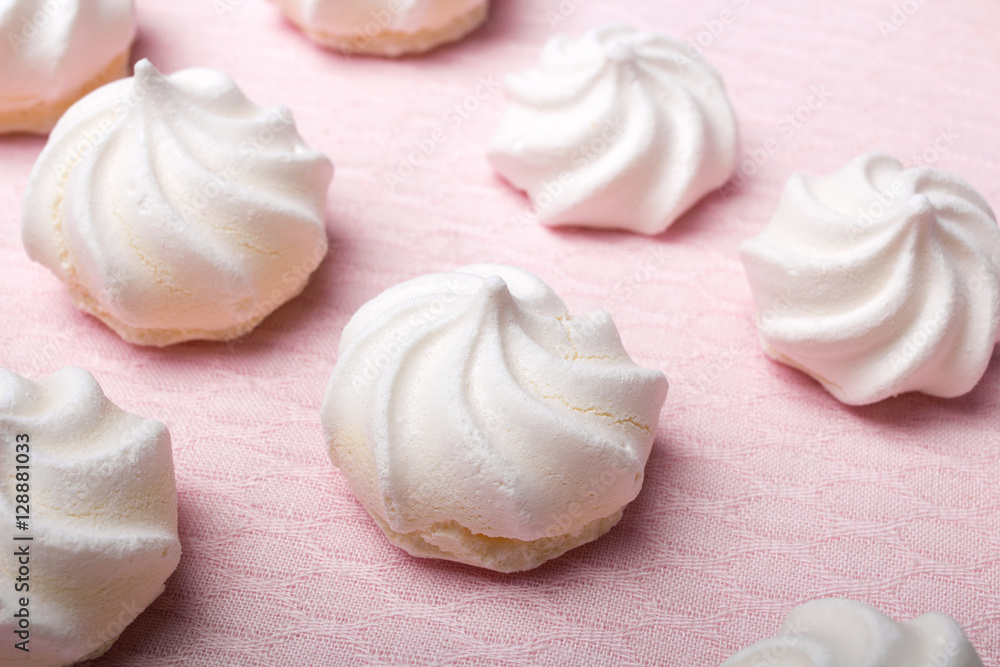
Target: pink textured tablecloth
(761, 492)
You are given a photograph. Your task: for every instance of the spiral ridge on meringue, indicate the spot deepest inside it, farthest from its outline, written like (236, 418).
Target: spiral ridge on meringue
(103, 515)
(619, 128)
(878, 280)
(844, 633)
(173, 208)
(478, 421)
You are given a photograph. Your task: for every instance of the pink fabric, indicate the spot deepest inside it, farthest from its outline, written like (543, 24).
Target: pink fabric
(761, 492)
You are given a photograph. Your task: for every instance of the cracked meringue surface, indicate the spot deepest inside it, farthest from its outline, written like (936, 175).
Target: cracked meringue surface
(878, 280)
(175, 209)
(102, 516)
(618, 128)
(478, 421)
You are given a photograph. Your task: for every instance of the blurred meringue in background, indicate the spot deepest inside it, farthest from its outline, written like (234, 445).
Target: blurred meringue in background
(618, 128)
(844, 633)
(54, 53)
(389, 28)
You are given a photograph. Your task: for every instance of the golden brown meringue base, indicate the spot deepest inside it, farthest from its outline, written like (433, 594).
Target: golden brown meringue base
(449, 540)
(166, 337)
(392, 44)
(40, 116)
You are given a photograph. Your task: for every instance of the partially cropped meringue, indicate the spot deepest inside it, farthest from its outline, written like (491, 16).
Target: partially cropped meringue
(618, 129)
(844, 633)
(478, 421)
(385, 27)
(55, 52)
(878, 280)
(174, 209)
(102, 517)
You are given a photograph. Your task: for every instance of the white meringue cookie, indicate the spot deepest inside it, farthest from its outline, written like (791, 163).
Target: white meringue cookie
(845, 633)
(385, 27)
(877, 280)
(102, 517)
(173, 208)
(55, 52)
(478, 421)
(618, 128)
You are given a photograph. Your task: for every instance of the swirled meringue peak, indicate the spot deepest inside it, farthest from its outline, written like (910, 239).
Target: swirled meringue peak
(174, 209)
(98, 483)
(618, 129)
(478, 421)
(56, 51)
(878, 280)
(385, 27)
(844, 633)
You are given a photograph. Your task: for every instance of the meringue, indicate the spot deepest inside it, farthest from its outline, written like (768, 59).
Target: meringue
(619, 128)
(878, 280)
(845, 633)
(478, 421)
(102, 517)
(174, 209)
(57, 52)
(385, 27)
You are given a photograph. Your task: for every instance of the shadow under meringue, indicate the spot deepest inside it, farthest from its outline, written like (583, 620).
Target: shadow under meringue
(622, 545)
(704, 217)
(707, 215)
(23, 142)
(918, 411)
(298, 315)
